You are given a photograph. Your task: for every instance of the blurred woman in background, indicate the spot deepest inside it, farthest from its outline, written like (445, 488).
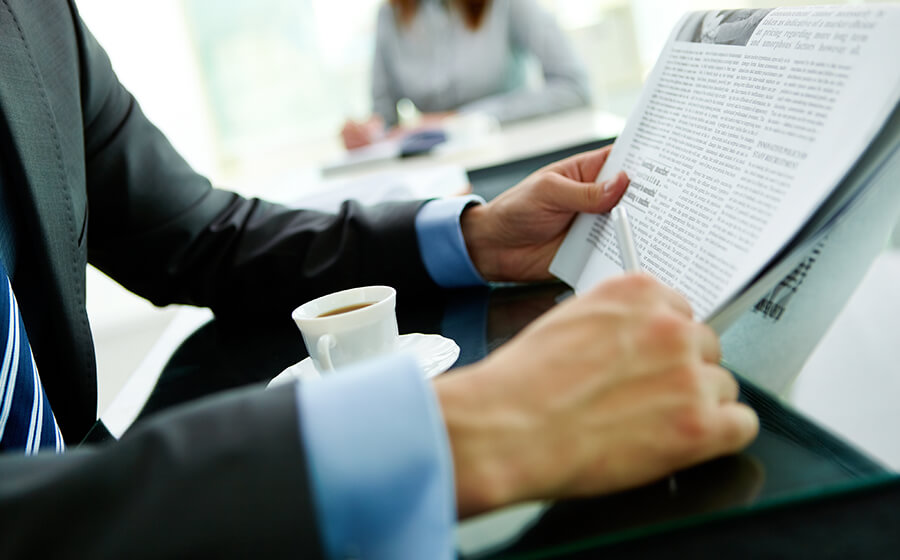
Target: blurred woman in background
(467, 56)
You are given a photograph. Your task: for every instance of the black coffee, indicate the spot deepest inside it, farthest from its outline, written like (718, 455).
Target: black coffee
(345, 309)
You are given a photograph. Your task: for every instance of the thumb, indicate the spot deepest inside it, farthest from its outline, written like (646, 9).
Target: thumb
(595, 198)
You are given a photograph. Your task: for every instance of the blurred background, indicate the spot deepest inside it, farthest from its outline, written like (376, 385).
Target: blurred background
(251, 90)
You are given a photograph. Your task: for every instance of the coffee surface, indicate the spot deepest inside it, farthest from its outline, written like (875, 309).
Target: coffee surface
(345, 309)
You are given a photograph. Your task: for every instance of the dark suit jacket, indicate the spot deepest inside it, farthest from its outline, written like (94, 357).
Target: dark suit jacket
(94, 181)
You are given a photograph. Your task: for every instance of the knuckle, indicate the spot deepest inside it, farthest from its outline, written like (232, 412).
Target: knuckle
(629, 286)
(728, 390)
(692, 424)
(705, 331)
(686, 381)
(670, 331)
(641, 283)
(545, 184)
(726, 378)
(550, 180)
(608, 289)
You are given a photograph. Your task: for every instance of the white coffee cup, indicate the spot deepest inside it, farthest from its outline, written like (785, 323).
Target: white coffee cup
(350, 326)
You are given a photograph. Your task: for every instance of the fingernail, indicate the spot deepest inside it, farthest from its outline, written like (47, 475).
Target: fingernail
(608, 185)
(611, 183)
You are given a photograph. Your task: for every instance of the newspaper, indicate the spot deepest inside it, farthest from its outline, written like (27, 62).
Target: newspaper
(778, 321)
(747, 127)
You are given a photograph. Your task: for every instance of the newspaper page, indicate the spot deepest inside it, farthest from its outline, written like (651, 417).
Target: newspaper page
(782, 319)
(748, 122)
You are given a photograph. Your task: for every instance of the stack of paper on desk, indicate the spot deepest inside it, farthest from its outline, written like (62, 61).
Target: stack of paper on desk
(388, 185)
(764, 155)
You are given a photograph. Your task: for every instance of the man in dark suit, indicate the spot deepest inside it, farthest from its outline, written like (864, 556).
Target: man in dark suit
(85, 177)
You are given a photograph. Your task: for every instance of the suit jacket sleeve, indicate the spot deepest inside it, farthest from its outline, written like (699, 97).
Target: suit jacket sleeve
(224, 478)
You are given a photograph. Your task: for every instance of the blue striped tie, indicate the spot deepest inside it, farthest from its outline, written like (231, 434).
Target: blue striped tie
(26, 421)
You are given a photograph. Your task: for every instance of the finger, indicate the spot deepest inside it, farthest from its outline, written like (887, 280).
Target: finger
(350, 129)
(353, 141)
(641, 287)
(588, 164)
(708, 341)
(575, 196)
(737, 426)
(722, 384)
(677, 301)
(654, 288)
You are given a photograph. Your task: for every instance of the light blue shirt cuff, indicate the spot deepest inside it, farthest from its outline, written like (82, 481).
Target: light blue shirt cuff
(441, 242)
(379, 462)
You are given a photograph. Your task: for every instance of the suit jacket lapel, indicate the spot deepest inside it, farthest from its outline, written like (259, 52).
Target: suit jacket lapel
(34, 138)
(43, 162)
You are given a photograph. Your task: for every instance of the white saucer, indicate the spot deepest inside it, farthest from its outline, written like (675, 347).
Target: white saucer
(434, 354)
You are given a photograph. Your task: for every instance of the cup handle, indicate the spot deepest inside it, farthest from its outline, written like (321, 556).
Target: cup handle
(324, 345)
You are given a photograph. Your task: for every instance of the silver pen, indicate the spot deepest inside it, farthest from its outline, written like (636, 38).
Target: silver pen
(631, 261)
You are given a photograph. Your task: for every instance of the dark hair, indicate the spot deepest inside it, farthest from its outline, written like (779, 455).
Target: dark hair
(471, 10)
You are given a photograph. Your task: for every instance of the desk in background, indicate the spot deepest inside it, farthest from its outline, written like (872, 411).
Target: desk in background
(515, 141)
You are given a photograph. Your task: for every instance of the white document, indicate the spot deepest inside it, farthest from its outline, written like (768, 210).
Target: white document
(391, 185)
(747, 124)
(384, 150)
